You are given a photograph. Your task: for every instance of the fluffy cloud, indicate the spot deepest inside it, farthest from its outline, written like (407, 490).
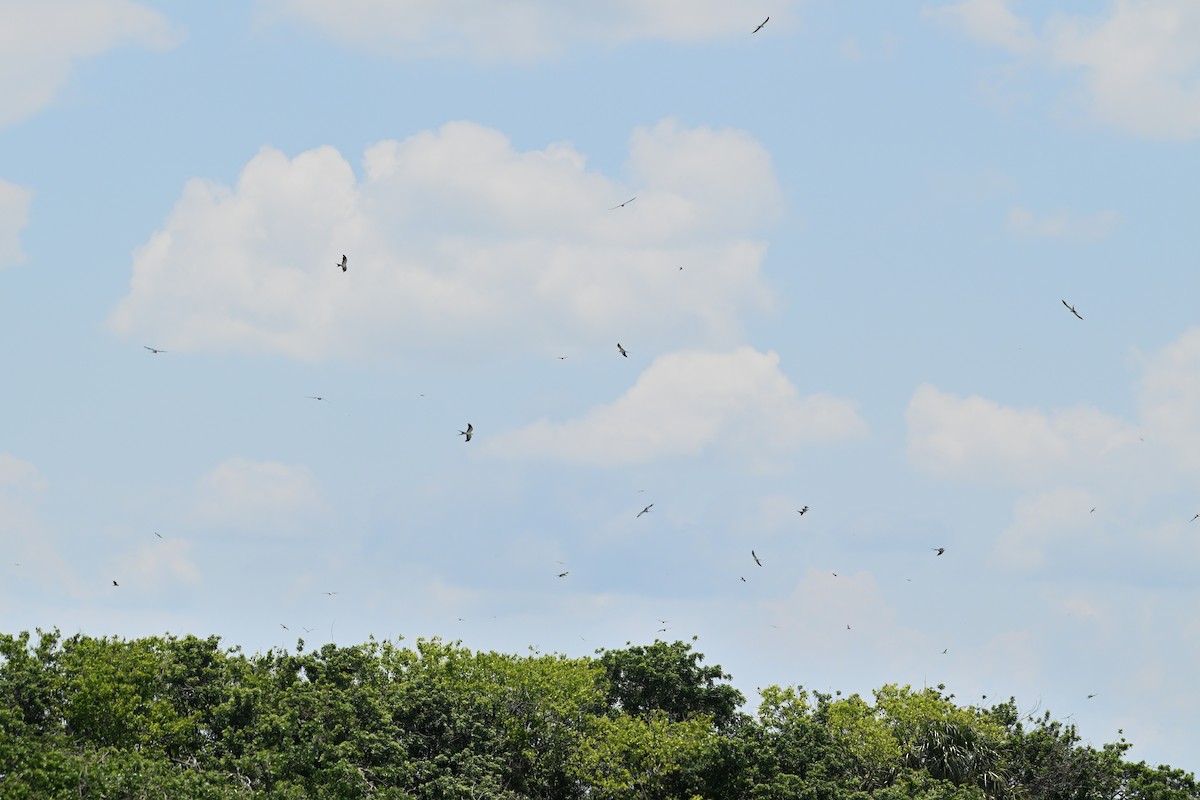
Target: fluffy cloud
(1140, 61)
(527, 30)
(14, 214)
(259, 497)
(458, 243)
(1061, 225)
(976, 438)
(160, 564)
(686, 403)
(41, 39)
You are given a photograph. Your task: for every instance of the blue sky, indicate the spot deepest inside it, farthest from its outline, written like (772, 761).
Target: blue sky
(841, 285)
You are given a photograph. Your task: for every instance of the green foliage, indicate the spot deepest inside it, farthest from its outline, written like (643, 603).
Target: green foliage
(166, 717)
(668, 677)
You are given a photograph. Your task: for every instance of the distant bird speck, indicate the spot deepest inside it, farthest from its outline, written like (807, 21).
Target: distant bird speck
(469, 432)
(563, 574)
(755, 557)
(743, 579)
(314, 397)
(153, 349)
(116, 584)
(938, 550)
(1195, 518)
(622, 205)
(159, 535)
(331, 594)
(621, 350)
(1090, 696)
(760, 25)
(1071, 308)
(344, 263)
(645, 510)
(803, 511)
(285, 627)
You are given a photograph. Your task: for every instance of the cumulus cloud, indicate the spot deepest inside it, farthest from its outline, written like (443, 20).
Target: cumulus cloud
(1139, 61)
(14, 215)
(522, 31)
(42, 39)
(990, 21)
(1169, 398)
(976, 438)
(160, 564)
(686, 403)
(1024, 223)
(259, 497)
(458, 243)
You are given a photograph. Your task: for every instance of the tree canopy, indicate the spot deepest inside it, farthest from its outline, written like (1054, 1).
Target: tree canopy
(168, 717)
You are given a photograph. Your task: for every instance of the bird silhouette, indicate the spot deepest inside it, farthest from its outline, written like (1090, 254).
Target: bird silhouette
(938, 550)
(760, 25)
(755, 557)
(468, 432)
(621, 350)
(563, 574)
(1090, 696)
(159, 535)
(1071, 309)
(1195, 518)
(622, 205)
(314, 397)
(153, 349)
(803, 511)
(116, 584)
(343, 263)
(285, 627)
(645, 510)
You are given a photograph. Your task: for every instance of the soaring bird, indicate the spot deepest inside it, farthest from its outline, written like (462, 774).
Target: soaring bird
(468, 432)
(563, 574)
(803, 511)
(153, 349)
(760, 25)
(645, 510)
(1071, 309)
(755, 557)
(621, 350)
(1195, 518)
(1090, 696)
(331, 594)
(285, 627)
(939, 550)
(314, 397)
(343, 263)
(159, 535)
(622, 205)
(116, 584)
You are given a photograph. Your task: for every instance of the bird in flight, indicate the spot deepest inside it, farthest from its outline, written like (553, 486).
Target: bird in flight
(645, 510)
(1090, 696)
(116, 584)
(743, 579)
(153, 349)
(1071, 309)
(468, 432)
(285, 627)
(314, 397)
(803, 511)
(760, 25)
(1195, 518)
(331, 594)
(755, 557)
(939, 550)
(621, 350)
(343, 263)
(159, 535)
(622, 205)
(563, 574)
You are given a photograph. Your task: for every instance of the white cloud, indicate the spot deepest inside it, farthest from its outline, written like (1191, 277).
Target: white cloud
(1062, 224)
(161, 563)
(990, 21)
(453, 236)
(1169, 398)
(40, 41)
(526, 30)
(258, 497)
(14, 215)
(1044, 520)
(976, 438)
(686, 403)
(1139, 59)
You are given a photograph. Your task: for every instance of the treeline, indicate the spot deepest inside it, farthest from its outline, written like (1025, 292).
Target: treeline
(184, 718)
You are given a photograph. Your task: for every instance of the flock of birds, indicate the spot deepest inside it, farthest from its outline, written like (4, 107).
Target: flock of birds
(469, 432)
